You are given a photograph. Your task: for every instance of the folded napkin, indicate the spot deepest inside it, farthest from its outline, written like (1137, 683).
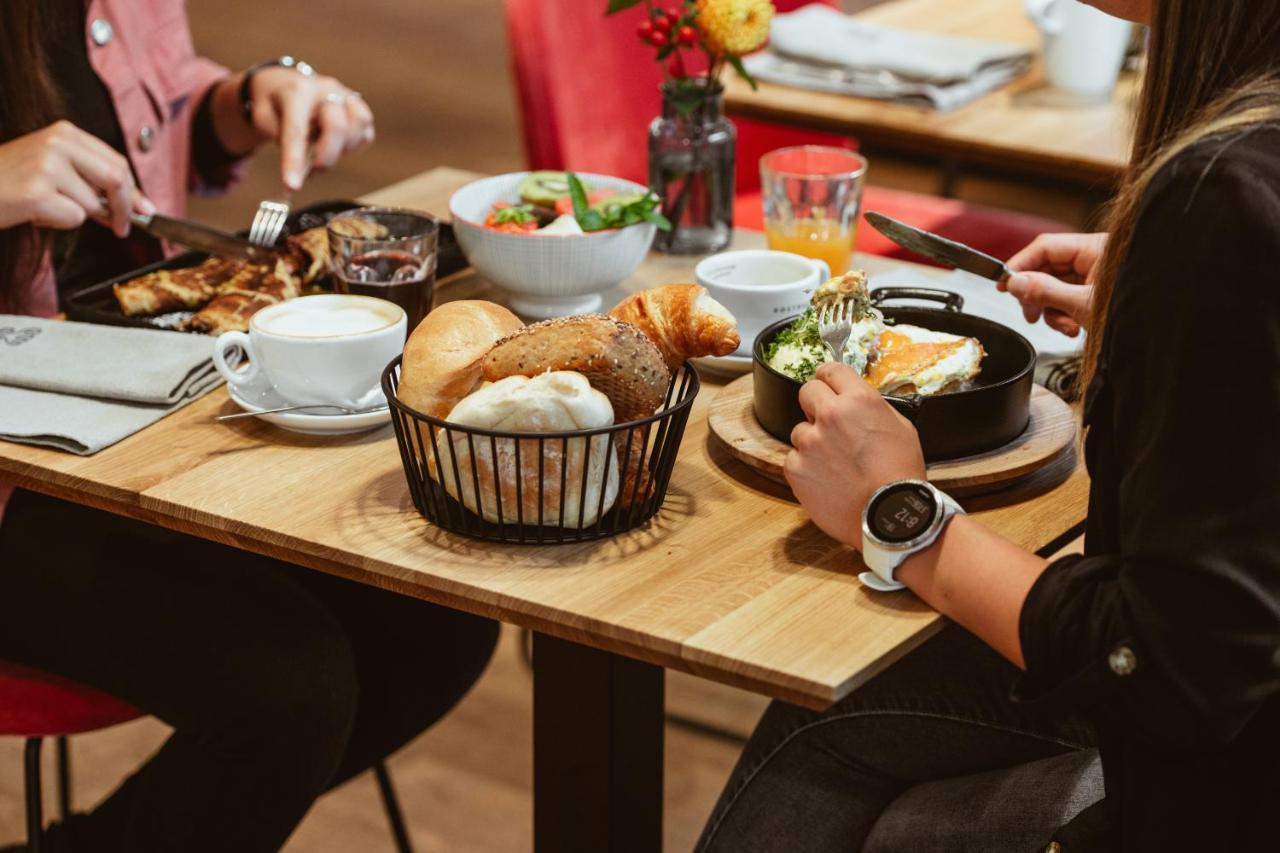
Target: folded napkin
(81, 387)
(817, 47)
(1057, 356)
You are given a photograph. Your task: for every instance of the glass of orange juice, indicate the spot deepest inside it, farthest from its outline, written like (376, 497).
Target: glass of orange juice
(812, 198)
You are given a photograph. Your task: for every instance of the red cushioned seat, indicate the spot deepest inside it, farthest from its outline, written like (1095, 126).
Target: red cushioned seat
(588, 88)
(36, 704)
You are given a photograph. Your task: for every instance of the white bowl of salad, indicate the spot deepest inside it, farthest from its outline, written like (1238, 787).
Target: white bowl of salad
(555, 240)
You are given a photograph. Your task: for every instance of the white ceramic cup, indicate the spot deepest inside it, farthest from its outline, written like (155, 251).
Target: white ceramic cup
(317, 349)
(1083, 48)
(760, 286)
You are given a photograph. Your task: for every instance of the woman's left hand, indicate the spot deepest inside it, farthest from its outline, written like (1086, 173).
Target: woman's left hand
(315, 119)
(853, 443)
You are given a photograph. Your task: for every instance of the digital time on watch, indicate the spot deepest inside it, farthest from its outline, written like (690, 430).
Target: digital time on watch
(901, 519)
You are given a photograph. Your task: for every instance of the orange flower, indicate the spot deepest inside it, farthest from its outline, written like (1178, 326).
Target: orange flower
(734, 27)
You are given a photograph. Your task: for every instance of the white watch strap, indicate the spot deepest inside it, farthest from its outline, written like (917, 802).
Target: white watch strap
(883, 562)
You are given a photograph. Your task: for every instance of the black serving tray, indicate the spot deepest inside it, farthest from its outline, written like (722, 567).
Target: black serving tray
(97, 304)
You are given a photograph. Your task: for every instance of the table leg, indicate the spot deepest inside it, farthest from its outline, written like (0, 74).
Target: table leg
(597, 750)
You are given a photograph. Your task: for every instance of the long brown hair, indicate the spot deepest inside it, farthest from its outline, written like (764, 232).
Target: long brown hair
(1213, 69)
(28, 102)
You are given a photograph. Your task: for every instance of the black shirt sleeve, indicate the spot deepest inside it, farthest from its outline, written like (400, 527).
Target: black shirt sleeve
(1175, 638)
(209, 157)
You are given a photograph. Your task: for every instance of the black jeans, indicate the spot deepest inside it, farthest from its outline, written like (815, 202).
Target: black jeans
(279, 682)
(818, 781)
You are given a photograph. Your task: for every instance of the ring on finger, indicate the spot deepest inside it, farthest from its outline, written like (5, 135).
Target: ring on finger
(335, 98)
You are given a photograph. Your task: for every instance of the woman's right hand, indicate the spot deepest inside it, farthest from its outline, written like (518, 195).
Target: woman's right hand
(59, 176)
(1054, 278)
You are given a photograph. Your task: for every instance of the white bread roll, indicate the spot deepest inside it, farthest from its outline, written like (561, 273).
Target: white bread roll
(442, 357)
(557, 401)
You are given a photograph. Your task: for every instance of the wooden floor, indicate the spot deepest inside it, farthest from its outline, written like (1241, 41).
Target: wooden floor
(436, 75)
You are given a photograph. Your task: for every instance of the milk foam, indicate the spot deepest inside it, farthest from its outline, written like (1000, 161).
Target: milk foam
(326, 317)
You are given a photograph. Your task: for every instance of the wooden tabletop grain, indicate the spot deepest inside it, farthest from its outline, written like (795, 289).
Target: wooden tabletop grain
(730, 581)
(1022, 127)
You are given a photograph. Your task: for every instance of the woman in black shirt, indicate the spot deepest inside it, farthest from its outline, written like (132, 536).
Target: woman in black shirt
(1161, 645)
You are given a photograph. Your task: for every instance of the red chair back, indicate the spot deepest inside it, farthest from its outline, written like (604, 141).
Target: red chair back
(588, 88)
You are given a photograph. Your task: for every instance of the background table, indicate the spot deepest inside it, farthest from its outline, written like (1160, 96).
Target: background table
(1021, 128)
(730, 581)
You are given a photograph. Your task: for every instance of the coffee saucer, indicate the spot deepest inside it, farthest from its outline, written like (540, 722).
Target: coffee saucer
(260, 394)
(728, 365)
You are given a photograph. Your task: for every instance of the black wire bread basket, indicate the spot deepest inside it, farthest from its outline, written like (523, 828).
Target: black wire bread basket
(541, 488)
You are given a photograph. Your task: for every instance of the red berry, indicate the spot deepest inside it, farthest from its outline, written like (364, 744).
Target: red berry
(688, 35)
(675, 65)
(673, 14)
(662, 23)
(658, 39)
(644, 30)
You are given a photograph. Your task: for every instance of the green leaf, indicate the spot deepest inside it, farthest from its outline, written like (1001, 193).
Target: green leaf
(657, 219)
(521, 213)
(736, 62)
(578, 195)
(620, 5)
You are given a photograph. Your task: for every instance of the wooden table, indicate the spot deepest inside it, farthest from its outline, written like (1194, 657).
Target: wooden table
(730, 581)
(1020, 128)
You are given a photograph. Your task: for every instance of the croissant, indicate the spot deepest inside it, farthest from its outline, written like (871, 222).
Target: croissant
(683, 320)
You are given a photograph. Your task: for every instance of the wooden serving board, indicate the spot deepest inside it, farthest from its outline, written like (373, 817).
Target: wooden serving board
(1051, 431)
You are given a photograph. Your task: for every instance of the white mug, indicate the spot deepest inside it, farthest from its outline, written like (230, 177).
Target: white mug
(317, 349)
(1083, 48)
(760, 287)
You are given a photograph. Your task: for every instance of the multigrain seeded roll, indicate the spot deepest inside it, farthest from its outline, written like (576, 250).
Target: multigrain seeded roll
(617, 358)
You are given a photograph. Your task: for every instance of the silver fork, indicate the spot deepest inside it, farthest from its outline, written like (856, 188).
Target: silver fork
(835, 327)
(268, 222)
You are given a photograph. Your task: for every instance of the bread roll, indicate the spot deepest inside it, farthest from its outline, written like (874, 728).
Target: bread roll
(442, 357)
(551, 402)
(683, 320)
(617, 359)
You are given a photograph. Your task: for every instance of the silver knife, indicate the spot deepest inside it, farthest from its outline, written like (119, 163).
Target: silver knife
(940, 249)
(202, 237)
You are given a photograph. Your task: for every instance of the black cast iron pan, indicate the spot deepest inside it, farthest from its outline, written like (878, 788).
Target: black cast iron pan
(988, 415)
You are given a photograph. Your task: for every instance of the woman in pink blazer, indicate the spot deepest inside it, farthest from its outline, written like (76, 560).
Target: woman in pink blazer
(279, 683)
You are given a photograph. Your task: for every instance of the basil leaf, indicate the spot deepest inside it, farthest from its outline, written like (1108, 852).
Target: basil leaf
(657, 219)
(620, 5)
(578, 195)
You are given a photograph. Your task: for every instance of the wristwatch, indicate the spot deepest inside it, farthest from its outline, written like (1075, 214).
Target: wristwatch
(246, 82)
(901, 519)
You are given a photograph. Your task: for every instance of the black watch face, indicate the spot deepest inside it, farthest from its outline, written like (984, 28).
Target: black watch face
(902, 513)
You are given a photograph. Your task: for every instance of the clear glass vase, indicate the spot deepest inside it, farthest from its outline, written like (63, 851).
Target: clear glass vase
(691, 167)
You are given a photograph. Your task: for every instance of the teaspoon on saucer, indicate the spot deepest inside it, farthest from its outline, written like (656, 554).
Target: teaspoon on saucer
(340, 410)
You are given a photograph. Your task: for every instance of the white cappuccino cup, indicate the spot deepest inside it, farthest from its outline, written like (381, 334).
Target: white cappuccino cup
(1083, 48)
(760, 287)
(326, 349)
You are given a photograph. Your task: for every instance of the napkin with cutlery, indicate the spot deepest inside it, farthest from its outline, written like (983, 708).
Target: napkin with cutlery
(817, 47)
(80, 387)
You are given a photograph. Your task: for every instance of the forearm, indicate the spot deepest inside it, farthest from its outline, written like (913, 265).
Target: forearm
(978, 579)
(235, 134)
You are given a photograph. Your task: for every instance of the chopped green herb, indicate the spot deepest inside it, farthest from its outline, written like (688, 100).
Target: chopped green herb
(520, 214)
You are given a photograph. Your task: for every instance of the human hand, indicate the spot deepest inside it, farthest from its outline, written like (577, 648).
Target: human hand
(59, 176)
(314, 119)
(1054, 279)
(853, 443)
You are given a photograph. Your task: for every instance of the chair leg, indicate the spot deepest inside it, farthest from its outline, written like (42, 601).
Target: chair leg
(393, 808)
(64, 779)
(35, 808)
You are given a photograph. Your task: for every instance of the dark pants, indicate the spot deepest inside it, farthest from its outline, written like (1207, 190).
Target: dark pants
(279, 682)
(819, 781)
